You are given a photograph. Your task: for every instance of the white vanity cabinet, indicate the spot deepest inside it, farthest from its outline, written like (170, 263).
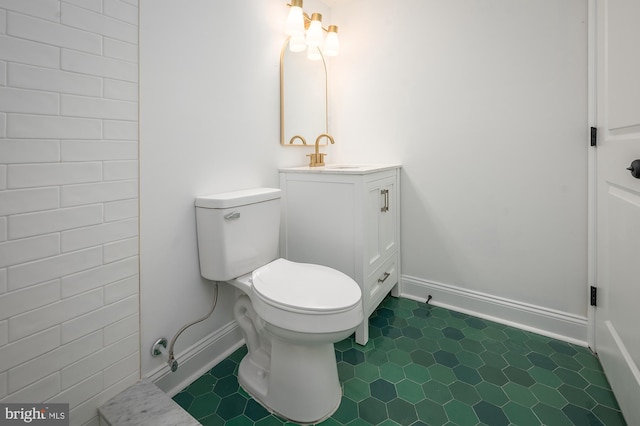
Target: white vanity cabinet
(347, 218)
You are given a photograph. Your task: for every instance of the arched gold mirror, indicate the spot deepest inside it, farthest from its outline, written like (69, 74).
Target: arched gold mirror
(303, 98)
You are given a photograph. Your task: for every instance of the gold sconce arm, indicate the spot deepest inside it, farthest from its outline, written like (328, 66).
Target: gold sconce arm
(307, 22)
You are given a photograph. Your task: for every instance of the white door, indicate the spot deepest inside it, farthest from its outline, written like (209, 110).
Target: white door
(617, 316)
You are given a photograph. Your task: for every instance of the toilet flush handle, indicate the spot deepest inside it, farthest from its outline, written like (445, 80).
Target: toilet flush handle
(232, 215)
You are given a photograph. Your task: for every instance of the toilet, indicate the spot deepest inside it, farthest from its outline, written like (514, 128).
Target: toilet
(290, 314)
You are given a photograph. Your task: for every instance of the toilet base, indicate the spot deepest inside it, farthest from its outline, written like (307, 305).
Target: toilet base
(302, 384)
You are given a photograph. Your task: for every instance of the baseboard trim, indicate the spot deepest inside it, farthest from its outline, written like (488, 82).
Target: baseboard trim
(537, 319)
(198, 359)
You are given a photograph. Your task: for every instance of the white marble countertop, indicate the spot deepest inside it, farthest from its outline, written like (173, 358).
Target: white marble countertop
(144, 404)
(353, 169)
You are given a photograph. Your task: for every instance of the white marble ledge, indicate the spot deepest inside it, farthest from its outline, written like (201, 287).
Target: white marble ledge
(144, 404)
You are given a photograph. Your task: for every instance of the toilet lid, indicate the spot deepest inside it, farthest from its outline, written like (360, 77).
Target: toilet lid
(303, 286)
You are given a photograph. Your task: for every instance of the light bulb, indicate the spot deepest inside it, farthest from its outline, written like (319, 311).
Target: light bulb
(297, 43)
(331, 43)
(295, 20)
(314, 33)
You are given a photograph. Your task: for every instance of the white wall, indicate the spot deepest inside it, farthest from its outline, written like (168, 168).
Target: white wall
(209, 122)
(485, 105)
(68, 202)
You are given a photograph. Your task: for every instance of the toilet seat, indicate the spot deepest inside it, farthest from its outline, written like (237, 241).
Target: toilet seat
(305, 288)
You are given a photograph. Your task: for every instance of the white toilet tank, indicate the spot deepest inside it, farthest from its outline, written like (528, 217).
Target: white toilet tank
(237, 232)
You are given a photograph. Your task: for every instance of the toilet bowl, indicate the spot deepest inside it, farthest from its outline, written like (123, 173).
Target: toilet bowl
(295, 374)
(290, 314)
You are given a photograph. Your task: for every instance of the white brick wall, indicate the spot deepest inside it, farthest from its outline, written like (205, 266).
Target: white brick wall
(69, 281)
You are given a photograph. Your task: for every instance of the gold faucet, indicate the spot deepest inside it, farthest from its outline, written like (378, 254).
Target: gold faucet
(317, 158)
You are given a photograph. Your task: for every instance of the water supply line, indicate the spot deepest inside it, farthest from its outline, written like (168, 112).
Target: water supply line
(173, 364)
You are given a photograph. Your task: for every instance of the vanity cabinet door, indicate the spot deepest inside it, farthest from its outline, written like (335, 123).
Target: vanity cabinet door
(380, 221)
(318, 226)
(349, 222)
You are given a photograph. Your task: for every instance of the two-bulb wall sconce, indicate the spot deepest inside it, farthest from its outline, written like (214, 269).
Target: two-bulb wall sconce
(307, 33)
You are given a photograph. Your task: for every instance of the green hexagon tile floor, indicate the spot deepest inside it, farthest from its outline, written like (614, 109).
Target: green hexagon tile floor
(426, 365)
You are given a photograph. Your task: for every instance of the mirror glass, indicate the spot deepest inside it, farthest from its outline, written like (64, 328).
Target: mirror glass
(303, 98)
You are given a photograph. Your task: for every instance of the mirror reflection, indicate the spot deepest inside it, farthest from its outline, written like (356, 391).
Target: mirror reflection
(303, 98)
